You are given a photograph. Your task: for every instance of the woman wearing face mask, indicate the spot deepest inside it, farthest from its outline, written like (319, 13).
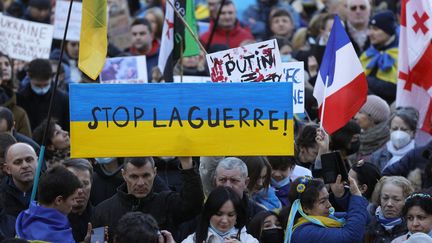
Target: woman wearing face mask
(259, 172)
(222, 220)
(418, 215)
(311, 217)
(403, 125)
(389, 197)
(8, 96)
(266, 227)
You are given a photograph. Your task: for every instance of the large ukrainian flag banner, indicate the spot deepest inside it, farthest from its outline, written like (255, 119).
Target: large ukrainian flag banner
(187, 119)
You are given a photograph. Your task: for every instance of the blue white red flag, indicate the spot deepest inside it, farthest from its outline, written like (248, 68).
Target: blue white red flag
(341, 86)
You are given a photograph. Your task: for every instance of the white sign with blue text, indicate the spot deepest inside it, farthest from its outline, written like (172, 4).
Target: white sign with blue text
(294, 72)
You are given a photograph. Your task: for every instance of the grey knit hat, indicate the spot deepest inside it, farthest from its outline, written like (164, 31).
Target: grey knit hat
(376, 108)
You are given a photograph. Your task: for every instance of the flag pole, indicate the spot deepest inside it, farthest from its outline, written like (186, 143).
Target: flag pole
(213, 30)
(323, 104)
(188, 28)
(181, 62)
(50, 108)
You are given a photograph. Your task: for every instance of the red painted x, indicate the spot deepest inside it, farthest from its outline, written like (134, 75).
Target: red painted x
(420, 22)
(170, 26)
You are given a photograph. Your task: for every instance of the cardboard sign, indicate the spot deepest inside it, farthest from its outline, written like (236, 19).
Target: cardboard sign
(25, 40)
(123, 70)
(293, 72)
(259, 62)
(60, 16)
(191, 79)
(189, 119)
(118, 24)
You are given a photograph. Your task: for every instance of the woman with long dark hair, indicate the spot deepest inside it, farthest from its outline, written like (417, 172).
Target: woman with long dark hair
(222, 219)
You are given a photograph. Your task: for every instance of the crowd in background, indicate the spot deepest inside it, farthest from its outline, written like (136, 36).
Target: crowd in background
(387, 196)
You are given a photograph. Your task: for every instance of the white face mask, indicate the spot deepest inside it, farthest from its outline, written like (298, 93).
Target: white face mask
(41, 91)
(400, 139)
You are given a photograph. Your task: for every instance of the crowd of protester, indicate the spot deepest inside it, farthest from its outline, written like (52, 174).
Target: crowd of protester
(386, 197)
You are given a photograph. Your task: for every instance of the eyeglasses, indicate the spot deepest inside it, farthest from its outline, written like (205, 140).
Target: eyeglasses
(355, 7)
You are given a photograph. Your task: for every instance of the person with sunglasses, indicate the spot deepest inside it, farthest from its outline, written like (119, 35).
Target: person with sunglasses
(418, 215)
(357, 23)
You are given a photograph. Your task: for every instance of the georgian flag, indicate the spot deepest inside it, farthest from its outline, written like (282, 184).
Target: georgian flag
(414, 86)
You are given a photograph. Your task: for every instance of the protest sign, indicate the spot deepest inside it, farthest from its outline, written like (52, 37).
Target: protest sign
(25, 40)
(60, 16)
(189, 119)
(122, 70)
(294, 72)
(118, 24)
(259, 62)
(191, 79)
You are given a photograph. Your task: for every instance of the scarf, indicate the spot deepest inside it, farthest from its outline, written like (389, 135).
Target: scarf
(387, 223)
(327, 222)
(374, 138)
(267, 199)
(383, 61)
(398, 154)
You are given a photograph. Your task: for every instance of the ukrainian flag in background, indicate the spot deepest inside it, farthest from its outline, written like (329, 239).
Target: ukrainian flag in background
(144, 119)
(93, 39)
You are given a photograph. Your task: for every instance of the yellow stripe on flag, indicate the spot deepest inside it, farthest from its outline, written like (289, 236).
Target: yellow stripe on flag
(93, 39)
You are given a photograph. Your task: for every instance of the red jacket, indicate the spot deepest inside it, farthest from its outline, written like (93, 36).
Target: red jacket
(232, 38)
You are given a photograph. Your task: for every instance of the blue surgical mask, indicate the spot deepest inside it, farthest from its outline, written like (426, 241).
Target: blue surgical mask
(40, 91)
(104, 160)
(286, 58)
(282, 183)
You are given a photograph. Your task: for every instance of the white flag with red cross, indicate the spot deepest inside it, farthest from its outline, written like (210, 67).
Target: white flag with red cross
(415, 60)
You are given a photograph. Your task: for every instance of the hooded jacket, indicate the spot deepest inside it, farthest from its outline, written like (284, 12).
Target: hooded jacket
(232, 38)
(14, 200)
(43, 224)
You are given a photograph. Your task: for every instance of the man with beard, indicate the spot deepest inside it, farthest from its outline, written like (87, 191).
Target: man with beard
(20, 165)
(82, 210)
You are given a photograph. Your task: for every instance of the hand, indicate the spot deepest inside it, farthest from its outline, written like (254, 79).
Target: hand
(87, 238)
(338, 188)
(323, 140)
(231, 240)
(353, 187)
(166, 237)
(186, 162)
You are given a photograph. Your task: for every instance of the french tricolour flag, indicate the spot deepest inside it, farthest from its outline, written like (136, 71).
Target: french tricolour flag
(343, 73)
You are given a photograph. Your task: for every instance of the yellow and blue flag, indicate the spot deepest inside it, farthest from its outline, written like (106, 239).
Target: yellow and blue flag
(188, 119)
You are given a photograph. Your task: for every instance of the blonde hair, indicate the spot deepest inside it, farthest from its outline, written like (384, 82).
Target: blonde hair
(399, 181)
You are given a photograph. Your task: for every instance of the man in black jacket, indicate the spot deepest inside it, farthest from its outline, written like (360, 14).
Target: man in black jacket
(15, 190)
(35, 96)
(136, 194)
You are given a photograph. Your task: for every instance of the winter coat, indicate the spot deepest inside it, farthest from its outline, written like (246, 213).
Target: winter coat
(14, 200)
(232, 38)
(212, 238)
(7, 225)
(22, 123)
(79, 223)
(43, 224)
(416, 158)
(36, 106)
(352, 231)
(376, 233)
(167, 207)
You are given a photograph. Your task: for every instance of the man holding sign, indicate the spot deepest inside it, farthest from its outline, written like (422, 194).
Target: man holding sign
(136, 194)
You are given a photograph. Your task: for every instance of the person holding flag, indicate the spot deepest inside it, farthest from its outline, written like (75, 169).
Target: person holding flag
(341, 86)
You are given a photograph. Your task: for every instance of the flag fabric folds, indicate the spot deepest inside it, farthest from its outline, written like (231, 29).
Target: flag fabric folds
(93, 38)
(165, 60)
(414, 87)
(191, 47)
(341, 86)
